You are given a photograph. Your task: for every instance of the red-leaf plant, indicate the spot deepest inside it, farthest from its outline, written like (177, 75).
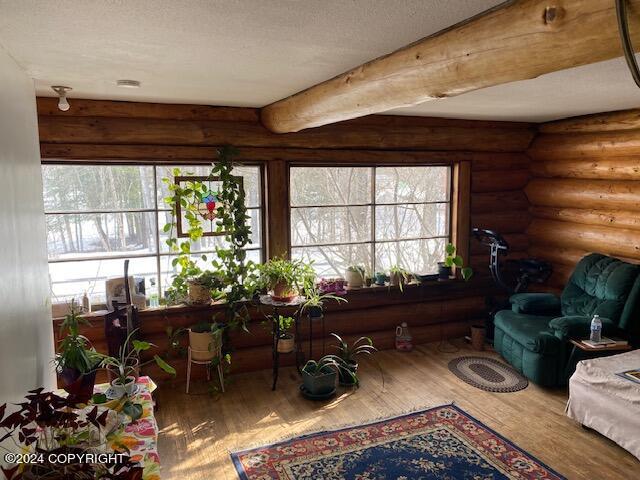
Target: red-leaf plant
(47, 424)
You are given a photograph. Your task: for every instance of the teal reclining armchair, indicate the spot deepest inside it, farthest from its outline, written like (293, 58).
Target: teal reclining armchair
(534, 335)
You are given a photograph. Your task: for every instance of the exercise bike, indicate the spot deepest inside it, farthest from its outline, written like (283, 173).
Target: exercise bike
(511, 275)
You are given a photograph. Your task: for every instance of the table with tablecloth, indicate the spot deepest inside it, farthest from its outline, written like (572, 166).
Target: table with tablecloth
(601, 399)
(139, 436)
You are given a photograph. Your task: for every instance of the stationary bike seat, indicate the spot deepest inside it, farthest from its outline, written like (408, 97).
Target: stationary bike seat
(490, 237)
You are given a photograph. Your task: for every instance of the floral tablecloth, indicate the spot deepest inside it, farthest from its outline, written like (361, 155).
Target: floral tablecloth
(139, 436)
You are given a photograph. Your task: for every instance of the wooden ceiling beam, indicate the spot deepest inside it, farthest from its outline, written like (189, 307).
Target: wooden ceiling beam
(517, 41)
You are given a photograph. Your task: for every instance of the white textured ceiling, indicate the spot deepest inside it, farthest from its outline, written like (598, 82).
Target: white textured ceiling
(253, 52)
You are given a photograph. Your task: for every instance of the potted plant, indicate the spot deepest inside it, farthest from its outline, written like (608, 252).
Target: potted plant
(354, 276)
(319, 377)
(349, 355)
(368, 280)
(450, 260)
(47, 428)
(76, 362)
(204, 337)
(285, 279)
(200, 287)
(315, 298)
(380, 278)
(398, 276)
(332, 285)
(286, 339)
(128, 361)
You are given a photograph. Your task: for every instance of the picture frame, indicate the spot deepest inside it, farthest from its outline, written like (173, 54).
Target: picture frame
(207, 205)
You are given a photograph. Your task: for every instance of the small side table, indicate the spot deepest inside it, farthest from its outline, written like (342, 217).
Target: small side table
(582, 351)
(275, 329)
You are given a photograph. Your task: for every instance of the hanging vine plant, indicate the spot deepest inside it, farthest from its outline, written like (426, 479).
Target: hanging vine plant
(195, 204)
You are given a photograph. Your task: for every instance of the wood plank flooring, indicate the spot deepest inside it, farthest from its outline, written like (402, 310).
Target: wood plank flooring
(198, 430)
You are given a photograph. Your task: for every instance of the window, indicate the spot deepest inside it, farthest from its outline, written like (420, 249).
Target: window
(99, 215)
(372, 216)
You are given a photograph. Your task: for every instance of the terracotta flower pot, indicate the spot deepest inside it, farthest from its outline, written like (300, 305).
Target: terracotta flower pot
(478, 333)
(286, 343)
(283, 292)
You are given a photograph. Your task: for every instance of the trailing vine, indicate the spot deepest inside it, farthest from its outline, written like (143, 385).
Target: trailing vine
(231, 264)
(236, 274)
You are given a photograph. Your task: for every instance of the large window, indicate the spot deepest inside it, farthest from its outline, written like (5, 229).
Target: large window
(99, 215)
(372, 216)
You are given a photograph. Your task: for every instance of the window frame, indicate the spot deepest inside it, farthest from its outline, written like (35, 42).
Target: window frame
(454, 209)
(158, 254)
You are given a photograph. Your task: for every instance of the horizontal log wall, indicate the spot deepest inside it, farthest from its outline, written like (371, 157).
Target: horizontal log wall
(498, 202)
(585, 190)
(435, 311)
(125, 132)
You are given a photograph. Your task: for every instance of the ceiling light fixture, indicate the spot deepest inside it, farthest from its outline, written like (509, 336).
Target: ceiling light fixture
(128, 83)
(63, 103)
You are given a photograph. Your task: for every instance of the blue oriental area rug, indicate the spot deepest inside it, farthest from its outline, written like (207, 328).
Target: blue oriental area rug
(441, 443)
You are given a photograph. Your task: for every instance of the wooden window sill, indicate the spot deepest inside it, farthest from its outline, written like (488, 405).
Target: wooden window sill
(365, 297)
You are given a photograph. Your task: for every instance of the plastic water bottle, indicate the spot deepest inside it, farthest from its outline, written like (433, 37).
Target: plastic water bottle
(596, 329)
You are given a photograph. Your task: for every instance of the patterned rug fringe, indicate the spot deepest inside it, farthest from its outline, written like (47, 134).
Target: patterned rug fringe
(332, 428)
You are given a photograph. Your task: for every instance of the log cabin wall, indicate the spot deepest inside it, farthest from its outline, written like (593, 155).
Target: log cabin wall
(488, 157)
(585, 190)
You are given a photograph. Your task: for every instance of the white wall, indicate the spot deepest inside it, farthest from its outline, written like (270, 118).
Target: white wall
(26, 333)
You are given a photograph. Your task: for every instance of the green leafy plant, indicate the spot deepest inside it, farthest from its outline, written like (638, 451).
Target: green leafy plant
(451, 260)
(128, 360)
(350, 353)
(403, 275)
(46, 427)
(75, 350)
(284, 323)
(232, 274)
(327, 364)
(238, 274)
(289, 276)
(210, 280)
(315, 299)
(357, 269)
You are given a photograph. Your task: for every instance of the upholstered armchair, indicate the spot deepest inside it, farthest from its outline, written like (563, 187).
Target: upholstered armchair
(534, 335)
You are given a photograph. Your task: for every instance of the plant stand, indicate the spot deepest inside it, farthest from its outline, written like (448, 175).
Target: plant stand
(311, 321)
(275, 330)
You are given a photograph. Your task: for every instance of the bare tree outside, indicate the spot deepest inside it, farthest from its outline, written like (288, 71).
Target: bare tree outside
(98, 215)
(371, 216)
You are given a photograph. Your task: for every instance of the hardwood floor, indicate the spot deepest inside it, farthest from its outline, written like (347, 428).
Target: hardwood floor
(197, 430)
